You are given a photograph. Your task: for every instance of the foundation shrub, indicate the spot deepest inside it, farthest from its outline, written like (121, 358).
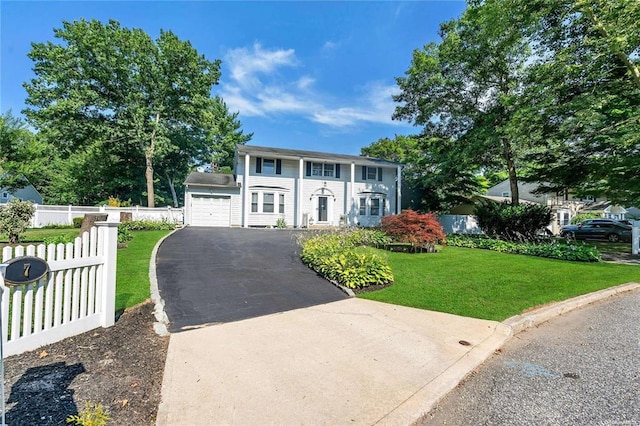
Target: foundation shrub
(552, 250)
(341, 257)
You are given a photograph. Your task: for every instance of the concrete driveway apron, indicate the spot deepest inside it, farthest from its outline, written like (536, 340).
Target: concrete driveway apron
(216, 275)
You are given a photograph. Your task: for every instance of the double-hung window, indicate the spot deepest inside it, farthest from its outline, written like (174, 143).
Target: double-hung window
(363, 207)
(375, 207)
(281, 204)
(323, 170)
(267, 202)
(254, 202)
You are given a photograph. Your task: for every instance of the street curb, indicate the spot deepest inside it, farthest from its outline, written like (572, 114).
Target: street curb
(162, 320)
(538, 316)
(417, 408)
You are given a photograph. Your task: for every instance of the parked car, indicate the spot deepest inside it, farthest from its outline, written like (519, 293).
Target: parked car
(598, 229)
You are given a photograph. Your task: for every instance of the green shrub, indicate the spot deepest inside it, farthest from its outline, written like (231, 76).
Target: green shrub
(584, 216)
(124, 235)
(91, 415)
(148, 225)
(340, 257)
(58, 239)
(553, 250)
(77, 222)
(15, 217)
(522, 222)
(57, 226)
(281, 223)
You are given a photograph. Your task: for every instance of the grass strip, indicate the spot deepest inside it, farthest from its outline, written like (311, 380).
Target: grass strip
(490, 285)
(132, 276)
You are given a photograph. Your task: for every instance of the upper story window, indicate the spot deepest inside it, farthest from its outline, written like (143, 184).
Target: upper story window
(323, 170)
(5, 195)
(506, 194)
(268, 166)
(372, 173)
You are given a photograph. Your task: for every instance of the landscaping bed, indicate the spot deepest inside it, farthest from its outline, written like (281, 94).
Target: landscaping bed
(120, 367)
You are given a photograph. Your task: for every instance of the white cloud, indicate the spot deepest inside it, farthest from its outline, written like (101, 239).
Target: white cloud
(246, 64)
(257, 88)
(329, 45)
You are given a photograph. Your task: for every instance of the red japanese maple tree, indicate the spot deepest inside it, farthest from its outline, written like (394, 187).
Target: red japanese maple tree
(422, 231)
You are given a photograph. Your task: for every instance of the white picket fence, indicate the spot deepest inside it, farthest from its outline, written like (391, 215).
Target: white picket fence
(63, 215)
(77, 295)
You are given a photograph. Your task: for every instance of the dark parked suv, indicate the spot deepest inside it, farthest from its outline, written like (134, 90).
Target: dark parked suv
(598, 229)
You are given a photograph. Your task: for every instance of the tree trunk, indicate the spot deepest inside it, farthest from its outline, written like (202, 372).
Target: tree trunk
(172, 188)
(148, 173)
(511, 169)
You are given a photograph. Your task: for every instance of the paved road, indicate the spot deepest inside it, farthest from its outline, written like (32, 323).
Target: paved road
(213, 275)
(582, 368)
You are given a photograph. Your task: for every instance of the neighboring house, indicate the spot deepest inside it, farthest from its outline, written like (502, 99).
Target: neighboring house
(301, 187)
(27, 193)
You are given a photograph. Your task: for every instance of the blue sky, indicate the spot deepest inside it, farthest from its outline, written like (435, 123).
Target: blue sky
(302, 74)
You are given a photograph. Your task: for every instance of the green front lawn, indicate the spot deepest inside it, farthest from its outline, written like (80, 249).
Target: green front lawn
(490, 285)
(132, 276)
(37, 235)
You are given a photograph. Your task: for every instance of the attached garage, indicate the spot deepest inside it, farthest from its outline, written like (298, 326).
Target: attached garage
(211, 199)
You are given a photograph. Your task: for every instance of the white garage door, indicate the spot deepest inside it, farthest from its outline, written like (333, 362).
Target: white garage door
(210, 211)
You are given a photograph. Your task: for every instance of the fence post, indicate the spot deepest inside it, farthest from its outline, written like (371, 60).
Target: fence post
(108, 232)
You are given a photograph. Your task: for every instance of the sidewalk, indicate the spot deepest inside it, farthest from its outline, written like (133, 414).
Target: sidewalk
(348, 362)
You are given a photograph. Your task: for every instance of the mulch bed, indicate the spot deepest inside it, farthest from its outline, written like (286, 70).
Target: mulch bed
(120, 367)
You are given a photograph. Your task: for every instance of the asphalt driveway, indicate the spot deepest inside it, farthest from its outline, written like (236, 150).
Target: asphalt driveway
(219, 275)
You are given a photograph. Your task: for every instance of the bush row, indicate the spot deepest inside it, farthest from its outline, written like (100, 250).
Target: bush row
(342, 257)
(148, 225)
(553, 250)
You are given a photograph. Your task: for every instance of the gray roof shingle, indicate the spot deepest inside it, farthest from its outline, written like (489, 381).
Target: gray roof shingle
(312, 155)
(216, 180)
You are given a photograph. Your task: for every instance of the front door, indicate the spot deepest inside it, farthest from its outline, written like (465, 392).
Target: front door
(322, 209)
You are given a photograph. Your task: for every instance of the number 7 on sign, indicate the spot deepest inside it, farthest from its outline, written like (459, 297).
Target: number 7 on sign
(26, 268)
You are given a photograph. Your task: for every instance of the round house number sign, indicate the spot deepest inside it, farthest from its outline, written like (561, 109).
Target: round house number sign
(24, 270)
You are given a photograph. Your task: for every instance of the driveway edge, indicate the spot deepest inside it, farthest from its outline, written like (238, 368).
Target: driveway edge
(162, 320)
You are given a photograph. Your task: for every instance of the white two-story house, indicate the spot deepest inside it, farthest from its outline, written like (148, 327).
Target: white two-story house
(301, 187)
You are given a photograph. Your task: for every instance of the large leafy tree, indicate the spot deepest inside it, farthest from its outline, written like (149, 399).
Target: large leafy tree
(23, 157)
(436, 180)
(111, 98)
(464, 89)
(581, 109)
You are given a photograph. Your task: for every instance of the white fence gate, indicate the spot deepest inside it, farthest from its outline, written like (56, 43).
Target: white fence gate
(77, 295)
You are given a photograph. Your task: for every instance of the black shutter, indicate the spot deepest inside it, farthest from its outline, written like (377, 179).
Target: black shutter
(278, 167)
(258, 165)
(380, 174)
(308, 168)
(364, 172)
(337, 171)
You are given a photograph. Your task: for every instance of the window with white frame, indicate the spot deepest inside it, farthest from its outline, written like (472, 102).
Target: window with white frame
(506, 194)
(267, 202)
(375, 207)
(254, 202)
(363, 206)
(268, 166)
(372, 173)
(323, 169)
(5, 195)
(372, 206)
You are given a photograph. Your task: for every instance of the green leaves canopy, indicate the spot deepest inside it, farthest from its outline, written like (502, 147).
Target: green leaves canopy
(119, 97)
